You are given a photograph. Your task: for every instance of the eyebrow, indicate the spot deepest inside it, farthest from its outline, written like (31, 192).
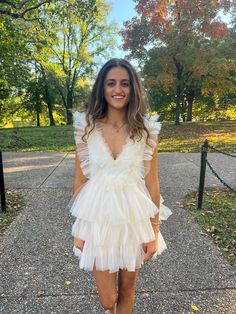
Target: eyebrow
(111, 79)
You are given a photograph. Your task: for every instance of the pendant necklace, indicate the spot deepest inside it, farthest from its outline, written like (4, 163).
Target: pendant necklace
(117, 129)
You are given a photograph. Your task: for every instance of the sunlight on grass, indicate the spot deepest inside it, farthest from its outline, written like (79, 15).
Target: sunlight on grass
(185, 138)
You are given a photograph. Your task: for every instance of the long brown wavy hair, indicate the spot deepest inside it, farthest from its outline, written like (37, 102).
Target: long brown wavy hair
(137, 106)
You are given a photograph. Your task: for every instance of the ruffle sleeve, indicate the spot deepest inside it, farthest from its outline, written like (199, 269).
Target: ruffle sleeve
(79, 122)
(154, 128)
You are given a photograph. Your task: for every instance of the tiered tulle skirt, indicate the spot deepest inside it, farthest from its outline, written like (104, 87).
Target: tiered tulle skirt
(113, 218)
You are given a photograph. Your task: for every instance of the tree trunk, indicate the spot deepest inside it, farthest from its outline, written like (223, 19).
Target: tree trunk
(48, 98)
(51, 119)
(69, 117)
(38, 119)
(183, 108)
(70, 94)
(179, 71)
(69, 106)
(190, 98)
(178, 103)
(38, 105)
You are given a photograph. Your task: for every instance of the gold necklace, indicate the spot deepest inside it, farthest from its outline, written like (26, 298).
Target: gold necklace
(116, 128)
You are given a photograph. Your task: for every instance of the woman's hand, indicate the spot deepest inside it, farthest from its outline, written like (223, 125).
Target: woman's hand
(78, 243)
(150, 249)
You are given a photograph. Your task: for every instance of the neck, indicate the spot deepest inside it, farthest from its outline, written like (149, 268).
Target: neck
(116, 117)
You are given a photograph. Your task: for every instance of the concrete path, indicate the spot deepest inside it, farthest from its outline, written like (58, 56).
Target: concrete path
(37, 262)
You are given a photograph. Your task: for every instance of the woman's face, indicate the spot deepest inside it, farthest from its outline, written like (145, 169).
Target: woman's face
(117, 88)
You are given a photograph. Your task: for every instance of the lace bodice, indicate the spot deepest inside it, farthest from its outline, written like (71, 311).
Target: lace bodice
(96, 159)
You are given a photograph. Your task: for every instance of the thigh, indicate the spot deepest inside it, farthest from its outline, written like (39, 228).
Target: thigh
(106, 284)
(127, 280)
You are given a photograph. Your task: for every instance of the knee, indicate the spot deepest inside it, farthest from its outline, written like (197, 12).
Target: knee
(127, 293)
(108, 303)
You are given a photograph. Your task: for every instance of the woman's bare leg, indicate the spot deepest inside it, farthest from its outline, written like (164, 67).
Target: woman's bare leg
(126, 291)
(106, 286)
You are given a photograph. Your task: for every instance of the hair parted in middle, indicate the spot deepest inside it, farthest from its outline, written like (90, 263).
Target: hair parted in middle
(137, 106)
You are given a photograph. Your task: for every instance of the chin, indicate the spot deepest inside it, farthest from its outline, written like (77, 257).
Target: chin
(122, 107)
(118, 106)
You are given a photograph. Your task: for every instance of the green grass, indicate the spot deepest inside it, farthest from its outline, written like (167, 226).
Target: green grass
(185, 138)
(52, 139)
(15, 203)
(189, 136)
(217, 218)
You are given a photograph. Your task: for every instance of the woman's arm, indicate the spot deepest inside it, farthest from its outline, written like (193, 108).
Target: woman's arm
(79, 177)
(152, 184)
(79, 181)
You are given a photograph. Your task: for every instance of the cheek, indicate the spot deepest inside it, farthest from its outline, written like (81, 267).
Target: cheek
(106, 92)
(128, 94)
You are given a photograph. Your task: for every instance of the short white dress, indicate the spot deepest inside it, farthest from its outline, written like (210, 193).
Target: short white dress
(113, 208)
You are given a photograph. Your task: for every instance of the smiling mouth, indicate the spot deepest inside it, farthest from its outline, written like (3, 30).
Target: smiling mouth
(118, 97)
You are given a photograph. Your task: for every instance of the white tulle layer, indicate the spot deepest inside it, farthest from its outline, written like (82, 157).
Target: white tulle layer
(113, 218)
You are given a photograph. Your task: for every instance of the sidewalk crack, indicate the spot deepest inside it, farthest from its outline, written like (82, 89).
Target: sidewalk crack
(63, 158)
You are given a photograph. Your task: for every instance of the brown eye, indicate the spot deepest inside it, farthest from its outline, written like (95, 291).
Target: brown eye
(125, 84)
(110, 83)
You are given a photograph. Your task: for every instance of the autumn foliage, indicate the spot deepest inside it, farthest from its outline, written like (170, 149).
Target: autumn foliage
(180, 45)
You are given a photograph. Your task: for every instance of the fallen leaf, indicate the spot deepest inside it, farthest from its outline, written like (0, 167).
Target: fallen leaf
(194, 307)
(212, 229)
(40, 293)
(68, 282)
(144, 295)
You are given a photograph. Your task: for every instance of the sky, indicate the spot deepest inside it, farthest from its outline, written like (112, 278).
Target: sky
(122, 10)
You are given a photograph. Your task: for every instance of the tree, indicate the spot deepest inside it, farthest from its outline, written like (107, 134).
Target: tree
(177, 32)
(21, 9)
(13, 54)
(54, 43)
(14, 68)
(33, 99)
(72, 35)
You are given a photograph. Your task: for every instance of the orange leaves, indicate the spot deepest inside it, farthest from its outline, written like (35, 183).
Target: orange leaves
(215, 29)
(161, 12)
(190, 32)
(219, 29)
(179, 20)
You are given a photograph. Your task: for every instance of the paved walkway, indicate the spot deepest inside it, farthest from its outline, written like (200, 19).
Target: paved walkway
(36, 258)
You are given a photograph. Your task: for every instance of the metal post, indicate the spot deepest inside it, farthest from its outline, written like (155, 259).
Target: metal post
(2, 187)
(204, 151)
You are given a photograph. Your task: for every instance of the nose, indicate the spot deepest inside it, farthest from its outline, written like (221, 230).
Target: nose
(118, 88)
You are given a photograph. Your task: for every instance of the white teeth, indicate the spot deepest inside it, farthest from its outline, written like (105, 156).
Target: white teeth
(119, 97)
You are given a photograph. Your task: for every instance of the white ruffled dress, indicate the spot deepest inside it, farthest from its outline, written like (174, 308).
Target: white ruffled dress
(113, 208)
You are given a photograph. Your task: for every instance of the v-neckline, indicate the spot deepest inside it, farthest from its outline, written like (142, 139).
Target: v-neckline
(106, 145)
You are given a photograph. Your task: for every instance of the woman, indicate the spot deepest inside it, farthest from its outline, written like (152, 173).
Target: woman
(117, 202)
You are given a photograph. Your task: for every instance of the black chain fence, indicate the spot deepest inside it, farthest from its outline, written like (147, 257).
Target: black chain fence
(215, 173)
(204, 162)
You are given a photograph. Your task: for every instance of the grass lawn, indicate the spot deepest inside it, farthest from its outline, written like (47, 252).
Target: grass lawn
(187, 137)
(217, 218)
(15, 203)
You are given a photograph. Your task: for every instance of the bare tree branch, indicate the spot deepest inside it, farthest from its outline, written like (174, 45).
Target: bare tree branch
(35, 7)
(17, 15)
